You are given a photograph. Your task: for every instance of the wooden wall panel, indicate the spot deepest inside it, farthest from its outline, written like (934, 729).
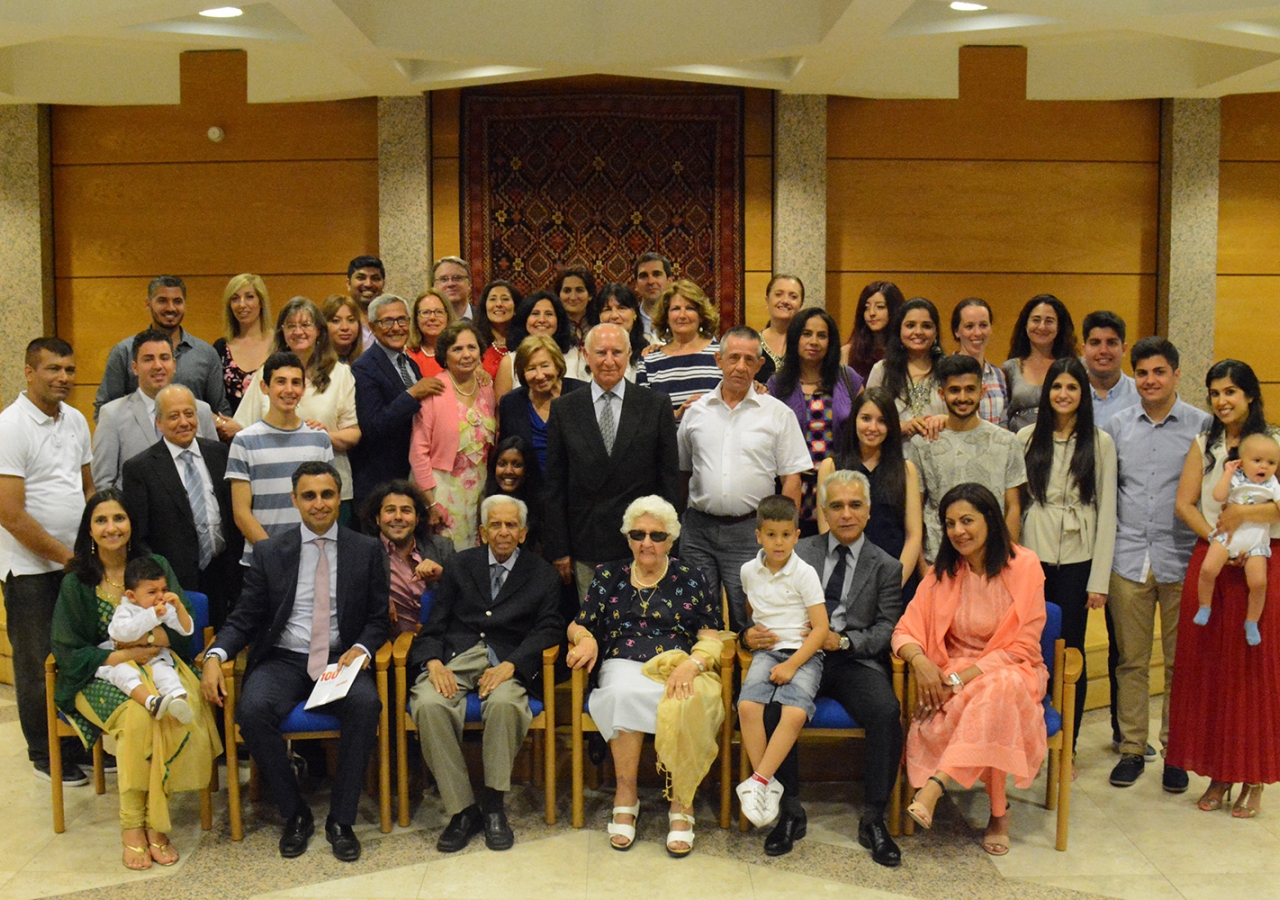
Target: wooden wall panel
(755, 311)
(1132, 297)
(446, 209)
(1250, 127)
(95, 313)
(1248, 218)
(757, 128)
(919, 215)
(1247, 326)
(1120, 131)
(188, 218)
(757, 224)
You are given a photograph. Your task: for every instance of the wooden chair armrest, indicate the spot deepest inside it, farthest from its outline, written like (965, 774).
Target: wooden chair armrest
(400, 648)
(382, 659)
(50, 665)
(550, 655)
(1073, 667)
(899, 667)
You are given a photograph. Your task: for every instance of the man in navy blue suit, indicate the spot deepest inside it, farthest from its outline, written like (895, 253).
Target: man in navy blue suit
(314, 595)
(389, 391)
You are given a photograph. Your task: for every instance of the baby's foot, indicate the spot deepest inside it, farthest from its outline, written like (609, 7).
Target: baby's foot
(1202, 615)
(1251, 635)
(179, 708)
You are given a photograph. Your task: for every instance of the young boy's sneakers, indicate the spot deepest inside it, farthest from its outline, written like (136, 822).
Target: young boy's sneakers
(174, 704)
(760, 801)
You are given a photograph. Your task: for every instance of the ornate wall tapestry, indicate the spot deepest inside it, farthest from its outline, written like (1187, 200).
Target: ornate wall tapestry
(594, 180)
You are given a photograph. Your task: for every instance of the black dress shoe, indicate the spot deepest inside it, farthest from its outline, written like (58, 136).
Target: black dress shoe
(297, 831)
(791, 827)
(346, 846)
(497, 833)
(874, 835)
(461, 828)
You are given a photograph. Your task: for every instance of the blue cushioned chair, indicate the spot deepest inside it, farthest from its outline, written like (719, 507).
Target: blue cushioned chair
(582, 723)
(1059, 704)
(542, 728)
(831, 720)
(307, 725)
(60, 727)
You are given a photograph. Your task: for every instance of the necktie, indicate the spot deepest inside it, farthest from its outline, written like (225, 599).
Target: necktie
(498, 575)
(199, 512)
(318, 655)
(835, 584)
(608, 427)
(406, 374)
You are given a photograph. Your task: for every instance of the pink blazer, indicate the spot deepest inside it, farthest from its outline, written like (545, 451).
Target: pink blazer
(434, 443)
(928, 617)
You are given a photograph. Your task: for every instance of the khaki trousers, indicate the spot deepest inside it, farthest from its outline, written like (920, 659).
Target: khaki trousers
(506, 717)
(1133, 611)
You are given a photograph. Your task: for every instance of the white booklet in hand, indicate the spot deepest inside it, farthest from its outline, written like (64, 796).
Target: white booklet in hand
(333, 684)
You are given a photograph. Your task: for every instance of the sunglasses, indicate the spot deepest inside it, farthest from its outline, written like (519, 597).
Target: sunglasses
(638, 535)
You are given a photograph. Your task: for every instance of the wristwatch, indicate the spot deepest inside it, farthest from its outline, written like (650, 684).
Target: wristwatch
(844, 642)
(151, 638)
(955, 680)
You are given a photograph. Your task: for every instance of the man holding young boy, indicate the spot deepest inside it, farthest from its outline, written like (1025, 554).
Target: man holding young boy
(863, 597)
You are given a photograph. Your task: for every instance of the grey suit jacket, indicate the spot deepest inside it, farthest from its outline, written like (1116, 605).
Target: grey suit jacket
(125, 429)
(873, 604)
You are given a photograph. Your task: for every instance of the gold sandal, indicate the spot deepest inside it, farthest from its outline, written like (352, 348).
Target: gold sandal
(142, 856)
(1214, 796)
(1250, 802)
(167, 845)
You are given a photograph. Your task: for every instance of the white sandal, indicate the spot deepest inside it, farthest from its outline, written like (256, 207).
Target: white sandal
(683, 837)
(616, 829)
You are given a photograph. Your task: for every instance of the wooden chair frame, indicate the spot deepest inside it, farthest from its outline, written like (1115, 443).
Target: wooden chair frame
(542, 730)
(381, 662)
(898, 678)
(581, 723)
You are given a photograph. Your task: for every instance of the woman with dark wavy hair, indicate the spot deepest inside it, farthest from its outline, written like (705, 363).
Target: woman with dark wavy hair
(617, 304)
(539, 313)
(1069, 502)
(912, 348)
(878, 306)
(494, 315)
(575, 287)
(1225, 693)
(819, 391)
(1044, 332)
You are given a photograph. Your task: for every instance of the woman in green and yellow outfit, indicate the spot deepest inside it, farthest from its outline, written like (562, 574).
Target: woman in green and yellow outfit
(154, 757)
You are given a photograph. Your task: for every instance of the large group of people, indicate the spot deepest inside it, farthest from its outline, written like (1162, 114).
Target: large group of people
(608, 472)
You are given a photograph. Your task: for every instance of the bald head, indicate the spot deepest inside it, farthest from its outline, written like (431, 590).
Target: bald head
(176, 416)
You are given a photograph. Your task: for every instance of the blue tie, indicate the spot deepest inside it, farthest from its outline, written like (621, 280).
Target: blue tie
(199, 512)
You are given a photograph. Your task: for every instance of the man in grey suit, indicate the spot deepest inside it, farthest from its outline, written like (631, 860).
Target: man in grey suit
(863, 588)
(127, 425)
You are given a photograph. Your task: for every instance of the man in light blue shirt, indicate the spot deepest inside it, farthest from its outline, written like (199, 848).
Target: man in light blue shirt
(1103, 343)
(1152, 546)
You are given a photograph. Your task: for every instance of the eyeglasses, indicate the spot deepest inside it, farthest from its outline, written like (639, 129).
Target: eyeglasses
(432, 314)
(290, 327)
(639, 534)
(397, 322)
(452, 279)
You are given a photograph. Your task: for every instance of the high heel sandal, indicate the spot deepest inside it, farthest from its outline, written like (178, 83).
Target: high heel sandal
(1214, 796)
(628, 832)
(679, 837)
(995, 844)
(922, 815)
(1250, 802)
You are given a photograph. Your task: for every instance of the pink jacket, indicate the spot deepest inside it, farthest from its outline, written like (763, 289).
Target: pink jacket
(434, 443)
(1017, 639)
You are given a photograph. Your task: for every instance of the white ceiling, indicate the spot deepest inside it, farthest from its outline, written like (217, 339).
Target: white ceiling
(126, 52)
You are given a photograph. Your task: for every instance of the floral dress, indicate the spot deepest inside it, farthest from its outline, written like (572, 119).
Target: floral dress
(820, 435)
(460, 489)
(234, 378)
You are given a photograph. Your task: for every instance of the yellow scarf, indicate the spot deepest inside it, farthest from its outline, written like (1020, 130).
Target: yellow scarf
(686, 739)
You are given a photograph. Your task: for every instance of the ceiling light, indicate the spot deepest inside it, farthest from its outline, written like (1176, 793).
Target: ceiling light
(958, 6)
(226, 12)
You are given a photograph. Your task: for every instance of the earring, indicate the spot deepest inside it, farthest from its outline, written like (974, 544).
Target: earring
(93, 546)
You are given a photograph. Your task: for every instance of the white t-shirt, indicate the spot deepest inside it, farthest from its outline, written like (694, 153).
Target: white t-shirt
(780, 602)
(48, 454)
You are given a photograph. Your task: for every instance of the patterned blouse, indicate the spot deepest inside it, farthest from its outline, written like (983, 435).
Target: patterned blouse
(234, 378)
(630, 623)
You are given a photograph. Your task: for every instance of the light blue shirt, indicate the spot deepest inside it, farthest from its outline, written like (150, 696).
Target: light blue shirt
(1121, 396)
(828, 566)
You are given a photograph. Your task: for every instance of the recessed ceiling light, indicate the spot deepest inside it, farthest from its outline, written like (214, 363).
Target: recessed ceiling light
(960, 6)
(224, 12)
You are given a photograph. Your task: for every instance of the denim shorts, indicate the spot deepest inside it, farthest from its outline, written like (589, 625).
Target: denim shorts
(799, 692)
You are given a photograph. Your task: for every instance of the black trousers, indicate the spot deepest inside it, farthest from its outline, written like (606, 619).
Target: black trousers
(28, 603)
(1068, 586)
(271, 691)
(867, 695)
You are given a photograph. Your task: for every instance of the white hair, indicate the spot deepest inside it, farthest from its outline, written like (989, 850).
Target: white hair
(655, 506)
(844, 476)
(384, 300)
(490, 502)
(622, 333)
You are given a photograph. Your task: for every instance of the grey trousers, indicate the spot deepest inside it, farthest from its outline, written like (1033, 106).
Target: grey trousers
(506, 717)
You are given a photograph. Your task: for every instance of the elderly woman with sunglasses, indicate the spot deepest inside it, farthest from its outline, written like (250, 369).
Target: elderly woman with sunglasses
(652, 626)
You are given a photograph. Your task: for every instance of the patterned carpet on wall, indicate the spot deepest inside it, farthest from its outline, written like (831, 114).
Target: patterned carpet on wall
(594, 180)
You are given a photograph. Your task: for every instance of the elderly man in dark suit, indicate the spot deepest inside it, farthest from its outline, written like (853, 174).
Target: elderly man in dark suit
(495, 612)
(863, 588)
(606, 446)
(389, 392)
(313, 595)
(181, 503)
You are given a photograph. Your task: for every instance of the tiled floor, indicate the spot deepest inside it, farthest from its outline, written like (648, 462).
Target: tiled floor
(1133, 843)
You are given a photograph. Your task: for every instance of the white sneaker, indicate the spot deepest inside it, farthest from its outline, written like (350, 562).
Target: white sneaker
(180, 709)
(760, 802)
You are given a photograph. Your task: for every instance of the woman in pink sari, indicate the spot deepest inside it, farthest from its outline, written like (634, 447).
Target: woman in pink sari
(972, 639)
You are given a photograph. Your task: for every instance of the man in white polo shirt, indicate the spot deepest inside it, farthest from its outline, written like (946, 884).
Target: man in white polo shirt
(44, 481)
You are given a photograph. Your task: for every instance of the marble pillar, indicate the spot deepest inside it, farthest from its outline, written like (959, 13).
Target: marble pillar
(26, 239)
(800, 191)
(1187, 263)
(404, 193)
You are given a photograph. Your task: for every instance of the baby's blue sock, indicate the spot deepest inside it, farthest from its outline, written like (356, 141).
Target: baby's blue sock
(1202, 615)
(1251, 636)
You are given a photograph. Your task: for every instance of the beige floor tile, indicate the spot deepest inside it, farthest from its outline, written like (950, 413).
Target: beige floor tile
(1194, 844)
(774, 884)
(1254, 885)
(400, 883)
(1122, 887)
(555, 867)
(29, 884)
(645, 872)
